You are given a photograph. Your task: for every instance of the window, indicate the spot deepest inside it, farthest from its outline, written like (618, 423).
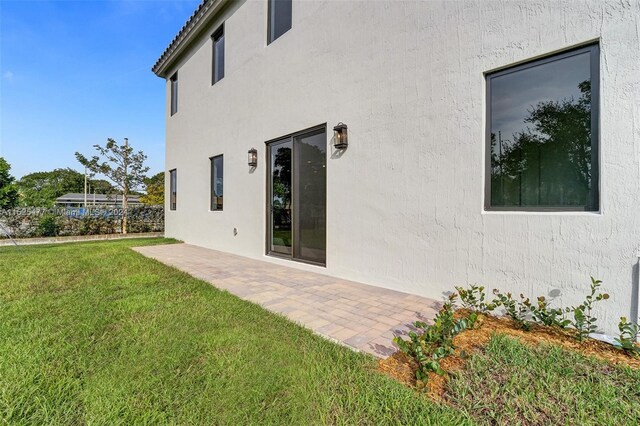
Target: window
(542, 134)
(217, 68)
(279, 18)
(297, 192)
(174, 93)
(173, 191)
(217, 174)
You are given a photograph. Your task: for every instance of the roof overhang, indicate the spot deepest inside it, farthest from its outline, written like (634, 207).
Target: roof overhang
(205, 12)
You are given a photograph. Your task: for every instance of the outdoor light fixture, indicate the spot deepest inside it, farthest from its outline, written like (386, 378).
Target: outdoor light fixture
(340, 140)
(253, 157)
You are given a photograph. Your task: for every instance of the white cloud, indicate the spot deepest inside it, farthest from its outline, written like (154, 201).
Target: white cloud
(7, 75)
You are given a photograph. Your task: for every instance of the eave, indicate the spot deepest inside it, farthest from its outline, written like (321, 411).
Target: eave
(205, 12)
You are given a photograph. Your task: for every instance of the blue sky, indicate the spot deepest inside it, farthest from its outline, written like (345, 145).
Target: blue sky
(73, 73)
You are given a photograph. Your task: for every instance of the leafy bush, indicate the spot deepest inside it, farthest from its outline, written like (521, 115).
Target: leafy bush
(436, 341)
(515, 310)
(48, 226)
(542, 313)
(96, 226)
(628, 335)
(522, 312)
(473, 299)
(25, 222)
(583, 321)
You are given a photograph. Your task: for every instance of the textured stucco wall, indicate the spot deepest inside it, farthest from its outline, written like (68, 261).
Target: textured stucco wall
(405, 201)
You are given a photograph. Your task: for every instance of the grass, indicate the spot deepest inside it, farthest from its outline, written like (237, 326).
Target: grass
(93, 333)
(509, 383)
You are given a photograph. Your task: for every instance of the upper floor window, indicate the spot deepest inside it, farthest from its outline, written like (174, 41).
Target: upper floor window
(174, 93)
(542, 134)
(279, 18)
(218, 55)
(173, 188)
(217, 175)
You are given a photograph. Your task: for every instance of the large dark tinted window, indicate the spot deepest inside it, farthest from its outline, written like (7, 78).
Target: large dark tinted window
(279, 18)
(174, 93)
(217, 173)
(173, 191)
(218, 55)
(542, 134)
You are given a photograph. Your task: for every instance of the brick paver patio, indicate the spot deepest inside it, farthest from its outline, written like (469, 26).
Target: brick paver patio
(360, 316)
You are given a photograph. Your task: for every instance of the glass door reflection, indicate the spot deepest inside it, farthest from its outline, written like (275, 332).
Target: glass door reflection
(280, 194)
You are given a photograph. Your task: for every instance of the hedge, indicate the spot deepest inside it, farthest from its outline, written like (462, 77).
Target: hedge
(26, 222)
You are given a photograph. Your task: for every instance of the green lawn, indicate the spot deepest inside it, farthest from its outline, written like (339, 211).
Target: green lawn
(94, 333)
(512, 384)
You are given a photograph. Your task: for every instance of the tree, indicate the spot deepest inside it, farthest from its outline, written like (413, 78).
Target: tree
(40, 189)
(8, 189)
(101, 186)
(154, 187)
(120, 165)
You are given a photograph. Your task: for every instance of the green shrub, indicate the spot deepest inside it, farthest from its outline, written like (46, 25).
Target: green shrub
(583, 321)
(542, 313)
(96, 226)
(523, 310)
(436, 340)
(515, 310)
(628, 335)
(48, 226)
(473, 299)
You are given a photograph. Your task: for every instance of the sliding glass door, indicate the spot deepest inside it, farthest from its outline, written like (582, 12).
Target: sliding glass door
(297, 196)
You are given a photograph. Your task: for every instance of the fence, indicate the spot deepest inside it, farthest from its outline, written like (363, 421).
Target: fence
(27, 222)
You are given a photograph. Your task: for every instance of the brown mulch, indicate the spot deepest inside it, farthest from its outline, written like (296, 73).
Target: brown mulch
(402, 368)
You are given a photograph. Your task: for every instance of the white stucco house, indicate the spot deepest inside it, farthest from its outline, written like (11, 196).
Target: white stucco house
(493, 142)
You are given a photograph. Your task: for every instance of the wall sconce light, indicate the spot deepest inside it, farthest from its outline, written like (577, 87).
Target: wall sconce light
(340, 140)
(253, 157)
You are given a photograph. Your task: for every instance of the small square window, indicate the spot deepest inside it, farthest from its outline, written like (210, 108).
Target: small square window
(542, 134)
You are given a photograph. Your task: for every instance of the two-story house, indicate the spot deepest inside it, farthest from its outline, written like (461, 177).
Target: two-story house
(414, 145)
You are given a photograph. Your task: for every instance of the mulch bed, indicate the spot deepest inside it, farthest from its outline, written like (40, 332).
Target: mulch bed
(402, 368)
